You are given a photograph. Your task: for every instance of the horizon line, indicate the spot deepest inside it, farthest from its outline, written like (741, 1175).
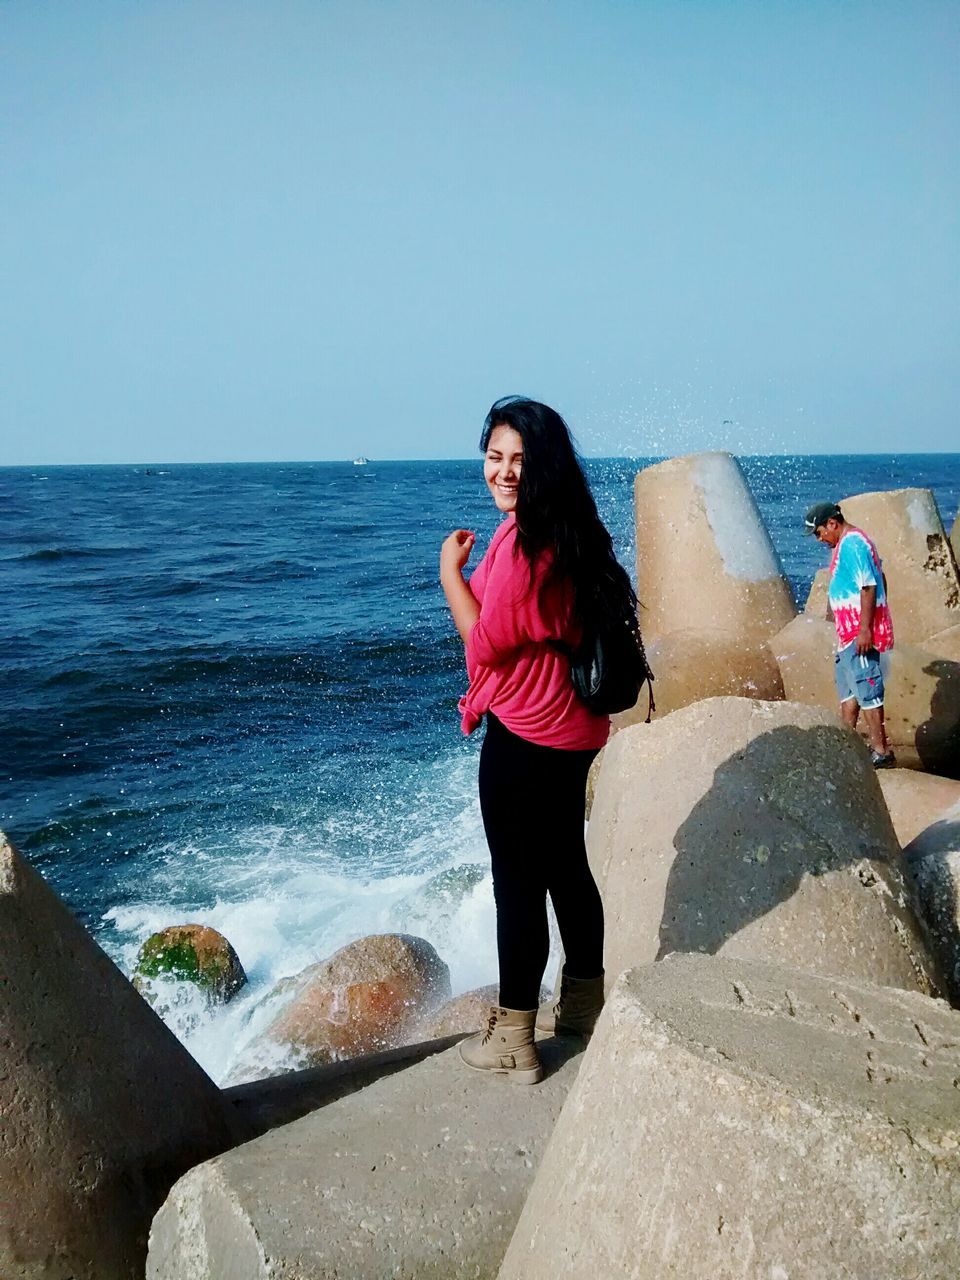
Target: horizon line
(599, 457)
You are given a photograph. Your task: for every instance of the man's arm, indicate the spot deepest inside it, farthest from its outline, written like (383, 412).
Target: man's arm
(868, 603)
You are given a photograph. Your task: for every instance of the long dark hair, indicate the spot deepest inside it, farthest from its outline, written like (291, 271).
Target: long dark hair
(556, 512)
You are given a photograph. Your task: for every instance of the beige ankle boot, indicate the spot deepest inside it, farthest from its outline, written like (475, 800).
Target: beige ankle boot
(576, 1011)
(506, 1047)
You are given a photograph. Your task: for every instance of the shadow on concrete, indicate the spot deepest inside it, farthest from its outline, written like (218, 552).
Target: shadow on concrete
(738, 854)
(934, 886)
(555, 1051)
(937, 739)
(266, 1104)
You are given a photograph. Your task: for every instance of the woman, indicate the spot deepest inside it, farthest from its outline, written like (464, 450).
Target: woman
(548, 571)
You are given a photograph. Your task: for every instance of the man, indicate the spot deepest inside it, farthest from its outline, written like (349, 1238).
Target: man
(858, 600)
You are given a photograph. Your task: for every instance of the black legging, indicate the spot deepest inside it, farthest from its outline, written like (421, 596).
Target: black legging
(532, 801)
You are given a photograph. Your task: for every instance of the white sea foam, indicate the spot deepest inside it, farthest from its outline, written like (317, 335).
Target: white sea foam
(285, 903)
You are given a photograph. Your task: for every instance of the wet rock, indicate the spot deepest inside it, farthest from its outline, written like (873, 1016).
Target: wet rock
(704, 557)
(922, 579)
(101, 1108)
(755, 829)
(365, 998)
(191, 953)
(932, 860)
(741, 1119)
(438, 898)
(466, 1012)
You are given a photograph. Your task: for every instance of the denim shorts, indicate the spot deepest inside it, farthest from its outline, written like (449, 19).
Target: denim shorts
(860, 676)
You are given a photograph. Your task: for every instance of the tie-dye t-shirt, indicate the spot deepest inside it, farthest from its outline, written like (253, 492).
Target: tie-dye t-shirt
(856, 564)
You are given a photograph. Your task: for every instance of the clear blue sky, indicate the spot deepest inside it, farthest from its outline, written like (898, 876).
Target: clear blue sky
(293, 229)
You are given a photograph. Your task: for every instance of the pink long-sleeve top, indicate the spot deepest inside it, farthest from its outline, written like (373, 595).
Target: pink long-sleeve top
(513, 669)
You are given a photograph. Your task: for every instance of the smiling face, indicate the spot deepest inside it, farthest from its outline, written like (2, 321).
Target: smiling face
(501, 466)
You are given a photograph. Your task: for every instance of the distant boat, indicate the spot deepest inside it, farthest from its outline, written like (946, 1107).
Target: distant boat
(361, 461)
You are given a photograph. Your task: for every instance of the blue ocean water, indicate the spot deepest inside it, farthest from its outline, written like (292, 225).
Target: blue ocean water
(228, 694)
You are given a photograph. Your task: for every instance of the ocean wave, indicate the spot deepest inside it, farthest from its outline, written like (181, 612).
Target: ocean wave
(54, 554)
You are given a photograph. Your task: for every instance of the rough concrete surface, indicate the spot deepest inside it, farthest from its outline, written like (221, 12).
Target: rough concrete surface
(921, 571)
(817, 605)
(704, 553)
(741, 1120)
(922, 691)
(422, 1174)
(945, 644)
(691, 665)
(262, 1105)
(755, 829)
(914, 800)
(932, 862)
(101, 1107)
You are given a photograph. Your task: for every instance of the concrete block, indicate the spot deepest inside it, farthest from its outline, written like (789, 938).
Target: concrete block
(101, 1107)
(922, 706)
(419, 1176)
(945, 644)
(922, 580)
(703, 552)
(691, 665)
(755, 829)
(740, 1121)
(932, 862)
(818, 606)
(914, 800)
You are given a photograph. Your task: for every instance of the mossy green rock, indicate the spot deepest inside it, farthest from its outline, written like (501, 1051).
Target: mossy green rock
(191, 953)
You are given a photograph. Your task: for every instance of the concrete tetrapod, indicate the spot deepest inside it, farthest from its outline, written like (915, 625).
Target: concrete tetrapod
(922, 692)
(917, 558)
(945, 644)
(742, 1120)
(755, 829)
(101, 1107)
(818, 604)
(915, 799)
(420, 1176)
(691, 665)
(932, 861)
(705, 561)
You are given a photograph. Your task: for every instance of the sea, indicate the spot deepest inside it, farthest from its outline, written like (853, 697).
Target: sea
(228, 696)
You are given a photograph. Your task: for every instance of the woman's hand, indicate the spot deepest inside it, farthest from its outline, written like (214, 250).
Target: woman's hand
(454, 554)
(455, 551)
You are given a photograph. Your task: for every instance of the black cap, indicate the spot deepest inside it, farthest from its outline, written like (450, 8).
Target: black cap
(818, 516)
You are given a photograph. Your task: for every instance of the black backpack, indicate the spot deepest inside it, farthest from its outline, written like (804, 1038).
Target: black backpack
(609, 668)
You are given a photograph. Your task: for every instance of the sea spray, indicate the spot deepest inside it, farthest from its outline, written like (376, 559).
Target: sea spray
(229, 695)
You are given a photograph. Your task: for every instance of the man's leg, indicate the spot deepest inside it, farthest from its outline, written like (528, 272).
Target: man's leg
(850, 712)
(876, 729)
(846, 688)
(870, 694)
